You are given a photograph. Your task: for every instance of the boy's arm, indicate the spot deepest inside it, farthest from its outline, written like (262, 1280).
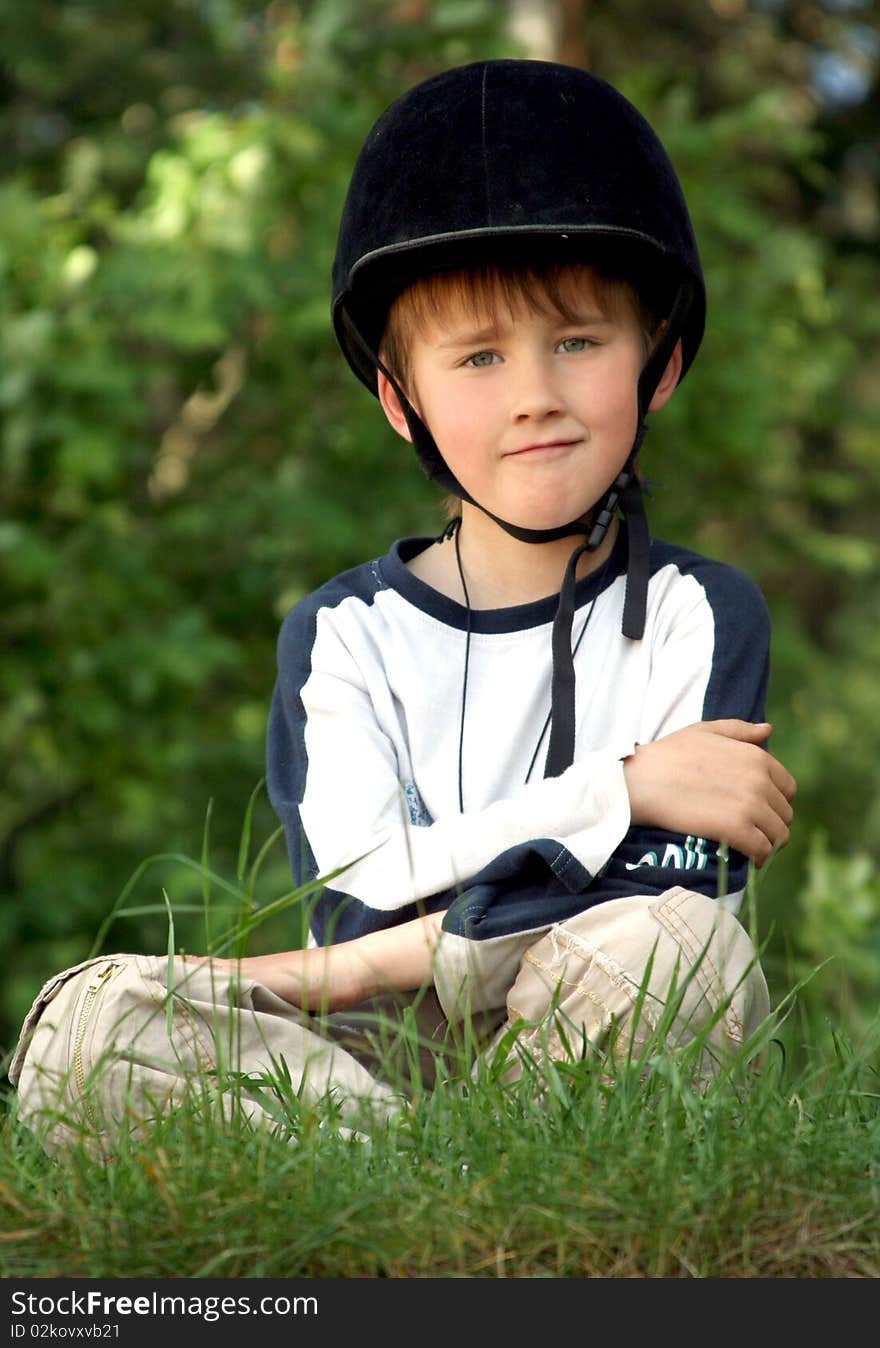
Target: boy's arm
(337, 977)
(401, 958)
(680, 775)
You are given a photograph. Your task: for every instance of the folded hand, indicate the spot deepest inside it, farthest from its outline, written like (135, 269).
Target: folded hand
(712, 779)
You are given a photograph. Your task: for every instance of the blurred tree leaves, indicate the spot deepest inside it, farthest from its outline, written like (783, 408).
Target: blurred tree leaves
(183, 452)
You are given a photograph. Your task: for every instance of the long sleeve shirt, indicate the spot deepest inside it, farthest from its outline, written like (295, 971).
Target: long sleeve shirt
(374, 730)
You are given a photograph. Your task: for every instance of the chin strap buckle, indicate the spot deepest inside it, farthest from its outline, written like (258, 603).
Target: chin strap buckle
(609, 506)
(450, 530)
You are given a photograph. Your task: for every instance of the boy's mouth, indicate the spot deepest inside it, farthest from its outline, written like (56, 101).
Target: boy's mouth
(543, 447)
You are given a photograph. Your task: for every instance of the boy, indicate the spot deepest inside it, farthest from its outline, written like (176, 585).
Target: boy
(517, 282)
(522, 749)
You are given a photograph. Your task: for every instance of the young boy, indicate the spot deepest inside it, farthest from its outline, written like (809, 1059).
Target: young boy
(527, 754)
(538, 730)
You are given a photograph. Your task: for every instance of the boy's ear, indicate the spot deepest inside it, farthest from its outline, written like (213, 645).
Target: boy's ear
(668, 380)
(391, 405)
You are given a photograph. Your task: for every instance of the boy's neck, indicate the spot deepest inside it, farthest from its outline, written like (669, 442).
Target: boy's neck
(500, 571)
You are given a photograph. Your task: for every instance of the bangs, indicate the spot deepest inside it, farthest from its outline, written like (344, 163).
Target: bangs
(482, 293)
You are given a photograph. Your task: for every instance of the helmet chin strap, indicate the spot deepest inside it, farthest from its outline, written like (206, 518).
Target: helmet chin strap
(624, 494)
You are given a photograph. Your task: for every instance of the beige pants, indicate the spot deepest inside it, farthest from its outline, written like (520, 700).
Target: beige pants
(99, 1048)
(123, 1038)
(639, 974)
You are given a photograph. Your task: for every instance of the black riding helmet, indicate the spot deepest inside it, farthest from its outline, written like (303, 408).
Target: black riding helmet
(521, 162)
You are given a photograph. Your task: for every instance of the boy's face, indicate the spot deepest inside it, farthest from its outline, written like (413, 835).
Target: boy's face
(533, 413)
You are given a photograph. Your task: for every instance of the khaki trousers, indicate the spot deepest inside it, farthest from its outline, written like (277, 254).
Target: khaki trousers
(123, 1038)
(639, 973)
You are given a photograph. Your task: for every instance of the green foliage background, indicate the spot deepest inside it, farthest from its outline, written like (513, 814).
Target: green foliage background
(183, 452)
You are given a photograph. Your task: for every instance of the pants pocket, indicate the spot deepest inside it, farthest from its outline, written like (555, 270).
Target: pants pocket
(621, 974)
(717, 948)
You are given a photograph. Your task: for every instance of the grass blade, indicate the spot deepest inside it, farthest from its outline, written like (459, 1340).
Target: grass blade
(169, 1000)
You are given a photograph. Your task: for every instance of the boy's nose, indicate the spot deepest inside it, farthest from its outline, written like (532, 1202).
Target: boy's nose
(534, 394)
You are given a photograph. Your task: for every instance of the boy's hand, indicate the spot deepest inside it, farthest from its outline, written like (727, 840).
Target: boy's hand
(318, 979)
(713, 780)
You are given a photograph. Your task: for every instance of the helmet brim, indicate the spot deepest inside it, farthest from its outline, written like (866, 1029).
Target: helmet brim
(361, 308)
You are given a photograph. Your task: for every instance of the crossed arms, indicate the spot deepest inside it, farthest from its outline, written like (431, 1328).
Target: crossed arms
(712, 779)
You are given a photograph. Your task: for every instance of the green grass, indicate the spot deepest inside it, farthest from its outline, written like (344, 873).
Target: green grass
(572, 1173)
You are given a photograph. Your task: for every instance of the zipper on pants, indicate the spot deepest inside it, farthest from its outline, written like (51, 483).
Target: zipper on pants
(94, 986)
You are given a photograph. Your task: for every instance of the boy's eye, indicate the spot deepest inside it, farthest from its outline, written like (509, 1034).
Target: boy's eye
(573, 344)
(480, 359)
